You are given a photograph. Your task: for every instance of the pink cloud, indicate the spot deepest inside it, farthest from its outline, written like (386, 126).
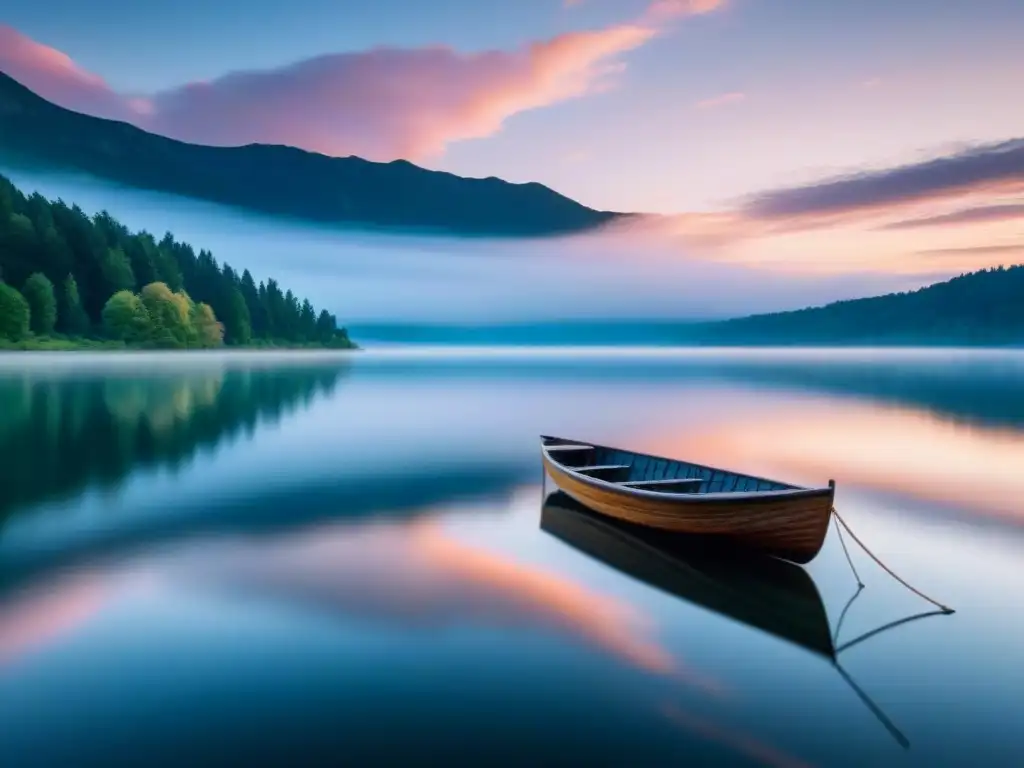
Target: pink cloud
(670, 9)
(380, 104)
(664, 10)
(722, 100)
(388, 102)
(56, 77)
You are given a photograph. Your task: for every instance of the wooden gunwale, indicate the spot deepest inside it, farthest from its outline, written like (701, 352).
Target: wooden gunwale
(792, 492)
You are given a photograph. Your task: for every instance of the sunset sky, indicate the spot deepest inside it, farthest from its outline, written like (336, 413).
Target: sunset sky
(887, 135)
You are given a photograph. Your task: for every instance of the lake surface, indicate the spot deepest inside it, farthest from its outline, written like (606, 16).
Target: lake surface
(322, 560)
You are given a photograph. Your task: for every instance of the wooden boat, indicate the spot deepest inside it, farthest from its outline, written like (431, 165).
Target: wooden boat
(783, 520)
(773, 596)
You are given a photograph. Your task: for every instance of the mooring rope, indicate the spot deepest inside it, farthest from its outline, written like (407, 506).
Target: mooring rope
(846, 552)
(842, 615)
(887, 569)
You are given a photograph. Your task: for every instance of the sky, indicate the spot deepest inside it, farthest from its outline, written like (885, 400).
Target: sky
(798, 136)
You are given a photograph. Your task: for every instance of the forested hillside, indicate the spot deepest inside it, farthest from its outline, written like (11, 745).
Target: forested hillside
(979, 308)
(67, 279)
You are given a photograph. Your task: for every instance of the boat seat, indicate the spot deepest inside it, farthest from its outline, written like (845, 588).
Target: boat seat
(569, 447)
(668, 481)
(688, 482)
(603, 471)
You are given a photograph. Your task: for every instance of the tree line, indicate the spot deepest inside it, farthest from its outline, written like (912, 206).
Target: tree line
(978, 308)
(66, 274)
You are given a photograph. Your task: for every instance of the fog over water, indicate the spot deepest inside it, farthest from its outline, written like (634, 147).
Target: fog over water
(367, 277)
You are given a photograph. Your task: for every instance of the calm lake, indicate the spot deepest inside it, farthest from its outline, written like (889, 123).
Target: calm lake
(322, 560)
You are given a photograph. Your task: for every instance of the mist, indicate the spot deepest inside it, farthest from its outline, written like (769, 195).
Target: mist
(369, 277)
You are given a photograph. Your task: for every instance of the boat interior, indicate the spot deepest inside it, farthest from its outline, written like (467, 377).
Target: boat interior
(650, 473)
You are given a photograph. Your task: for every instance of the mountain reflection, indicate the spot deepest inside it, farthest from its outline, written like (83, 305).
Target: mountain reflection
(62, 435)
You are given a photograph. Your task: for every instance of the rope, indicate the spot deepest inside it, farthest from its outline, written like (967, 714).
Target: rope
(842, 616)
(887, 569)
(846, 552)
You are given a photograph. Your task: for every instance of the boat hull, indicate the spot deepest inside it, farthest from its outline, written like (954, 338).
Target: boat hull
(791, 525)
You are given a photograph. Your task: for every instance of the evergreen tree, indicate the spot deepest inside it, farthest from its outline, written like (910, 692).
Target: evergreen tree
(42, 302)
(237, 324)
(71, 317)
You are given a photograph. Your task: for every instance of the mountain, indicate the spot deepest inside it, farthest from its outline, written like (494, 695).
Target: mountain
(282, 180)
(979, 308)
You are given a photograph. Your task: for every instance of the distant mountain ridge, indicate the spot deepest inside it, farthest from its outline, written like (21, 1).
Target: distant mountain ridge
(984, 308)
(282, 180)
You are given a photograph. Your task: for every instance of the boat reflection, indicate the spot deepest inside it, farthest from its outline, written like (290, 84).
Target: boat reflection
(765, 593)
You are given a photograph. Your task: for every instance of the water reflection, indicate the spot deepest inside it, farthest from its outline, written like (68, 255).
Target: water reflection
(418, 576)
(771, 595)
(978, 386)
(901, 451)
(60, 436)
(33, 618)
(346, 550)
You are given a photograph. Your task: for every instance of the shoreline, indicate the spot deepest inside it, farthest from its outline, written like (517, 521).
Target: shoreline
(106, 345)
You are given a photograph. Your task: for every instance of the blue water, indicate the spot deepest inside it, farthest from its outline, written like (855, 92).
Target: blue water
(322, 560)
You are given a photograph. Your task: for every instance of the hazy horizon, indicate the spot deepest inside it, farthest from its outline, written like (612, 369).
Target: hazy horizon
(371, 278)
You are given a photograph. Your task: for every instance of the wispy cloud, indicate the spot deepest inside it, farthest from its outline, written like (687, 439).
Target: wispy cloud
(722, 100)
(983, 169)
(1004, 212)
(382, 104)
(978, 250)
(663, 10)
(901, 220)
